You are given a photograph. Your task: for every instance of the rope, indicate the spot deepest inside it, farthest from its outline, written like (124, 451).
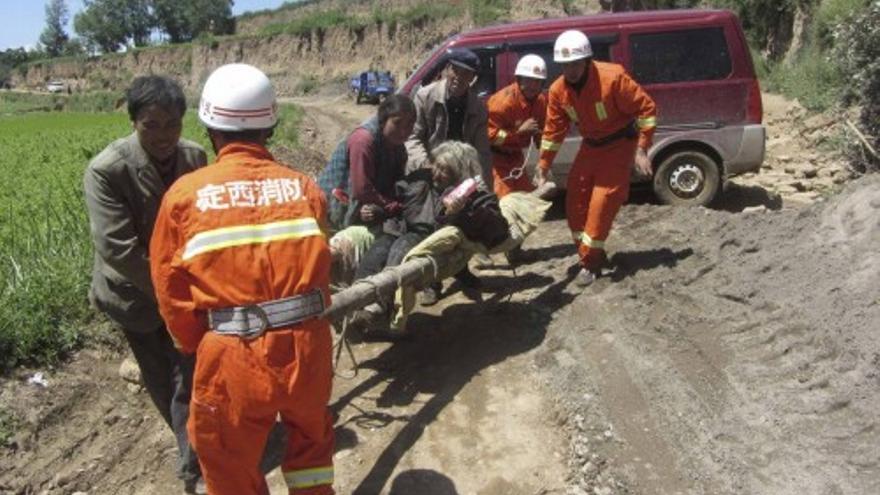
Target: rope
(337, 354)
(517, 172)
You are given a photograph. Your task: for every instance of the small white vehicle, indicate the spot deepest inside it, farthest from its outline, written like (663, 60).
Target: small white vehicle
(55, 87)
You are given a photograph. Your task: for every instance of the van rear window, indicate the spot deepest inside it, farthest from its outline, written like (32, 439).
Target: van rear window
(677, 56)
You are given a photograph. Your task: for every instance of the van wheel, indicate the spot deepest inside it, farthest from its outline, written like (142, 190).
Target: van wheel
(687, 178)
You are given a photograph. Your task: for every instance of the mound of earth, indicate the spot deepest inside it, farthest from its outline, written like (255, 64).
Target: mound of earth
(728, 351)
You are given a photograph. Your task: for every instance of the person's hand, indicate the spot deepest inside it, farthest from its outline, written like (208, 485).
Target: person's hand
(529, 127)
(643, 163)
(370, 213)
(541, 177)
(454, 206)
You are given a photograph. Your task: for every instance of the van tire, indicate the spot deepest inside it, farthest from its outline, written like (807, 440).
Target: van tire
(687, 178)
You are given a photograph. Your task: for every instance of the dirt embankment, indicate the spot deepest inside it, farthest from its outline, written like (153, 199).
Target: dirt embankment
(729, 351)
(297, 63)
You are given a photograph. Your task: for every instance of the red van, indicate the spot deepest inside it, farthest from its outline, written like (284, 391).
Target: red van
(694, 63)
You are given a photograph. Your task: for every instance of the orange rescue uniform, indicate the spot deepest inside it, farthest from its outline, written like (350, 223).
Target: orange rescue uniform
(243, 231)
(598, 183)
(508, 109)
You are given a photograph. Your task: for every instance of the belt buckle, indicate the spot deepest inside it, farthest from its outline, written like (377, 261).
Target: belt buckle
(257, 310)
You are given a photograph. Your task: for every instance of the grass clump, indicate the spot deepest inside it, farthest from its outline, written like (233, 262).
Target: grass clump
(484, 12)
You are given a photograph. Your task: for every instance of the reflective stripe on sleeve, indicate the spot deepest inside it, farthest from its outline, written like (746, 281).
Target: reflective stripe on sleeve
(572, 113)
(306, 478)
(500, 137)
(601, 114)
(547, 145)
(646, 122)
(591, 243)
(241, 235)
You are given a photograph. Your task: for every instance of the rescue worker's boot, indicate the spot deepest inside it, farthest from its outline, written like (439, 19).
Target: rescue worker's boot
(585, 278)
(196, 486)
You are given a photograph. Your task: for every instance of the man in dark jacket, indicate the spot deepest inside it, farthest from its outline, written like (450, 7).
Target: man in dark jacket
(124, 186)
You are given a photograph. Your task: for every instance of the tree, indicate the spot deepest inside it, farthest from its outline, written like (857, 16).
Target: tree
(13, 58)
(102, 25)
(53, 37)
(139, 21)
(184, 21)
(211, 16)
(171, 18)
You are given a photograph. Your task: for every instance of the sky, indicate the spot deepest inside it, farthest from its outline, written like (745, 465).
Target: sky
(22, 21)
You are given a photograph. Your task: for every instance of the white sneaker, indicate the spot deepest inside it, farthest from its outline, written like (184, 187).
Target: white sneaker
(585, 278)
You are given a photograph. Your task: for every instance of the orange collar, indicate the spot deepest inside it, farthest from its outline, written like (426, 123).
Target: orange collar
(251, 150)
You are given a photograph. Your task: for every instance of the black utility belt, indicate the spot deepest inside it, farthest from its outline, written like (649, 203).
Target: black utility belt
(629, 131)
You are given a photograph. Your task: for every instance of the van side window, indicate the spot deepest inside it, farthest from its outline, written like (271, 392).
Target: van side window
(687, 55)
(487, 77)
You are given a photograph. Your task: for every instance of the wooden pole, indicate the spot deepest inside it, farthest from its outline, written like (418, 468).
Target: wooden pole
(419, 271)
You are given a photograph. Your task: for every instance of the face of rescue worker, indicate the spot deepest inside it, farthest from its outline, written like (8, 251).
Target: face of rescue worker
(458, 80)
(573, 71)
(158, 131)
(398, 128)
(530, 87)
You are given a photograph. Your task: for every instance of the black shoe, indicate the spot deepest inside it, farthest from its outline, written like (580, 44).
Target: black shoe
(515, 256)
(468, 279)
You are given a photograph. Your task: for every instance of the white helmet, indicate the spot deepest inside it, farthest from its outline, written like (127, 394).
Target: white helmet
(570, 46)
(531, 66)
(238, 97)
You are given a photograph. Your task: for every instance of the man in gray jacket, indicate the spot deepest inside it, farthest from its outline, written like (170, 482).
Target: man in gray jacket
(449, 110)
(124, 186)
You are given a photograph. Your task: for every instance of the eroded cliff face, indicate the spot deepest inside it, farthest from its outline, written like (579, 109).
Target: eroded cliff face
(296, 63)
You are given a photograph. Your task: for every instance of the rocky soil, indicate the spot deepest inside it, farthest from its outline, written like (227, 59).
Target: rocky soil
(730, 350)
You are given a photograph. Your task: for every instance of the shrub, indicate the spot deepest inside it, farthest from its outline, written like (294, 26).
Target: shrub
(857, 49)
(485, 12)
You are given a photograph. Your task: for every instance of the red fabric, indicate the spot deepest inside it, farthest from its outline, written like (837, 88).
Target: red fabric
(508, 109)
(608, 87)
(240, 385)
(373, 182)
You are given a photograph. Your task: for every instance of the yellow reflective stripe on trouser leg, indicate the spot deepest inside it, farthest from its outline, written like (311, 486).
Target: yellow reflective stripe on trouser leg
(240, 235)
(307, 478)
(500, 138)
(586, 240)
(572, 113)
(547, 145)
(646, 122)
(601, 114)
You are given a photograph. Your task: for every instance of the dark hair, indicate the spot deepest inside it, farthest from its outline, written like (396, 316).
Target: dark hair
(154, 90)
(396, 104)
(247, 136)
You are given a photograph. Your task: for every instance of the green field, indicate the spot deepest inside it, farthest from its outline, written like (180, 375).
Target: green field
(45, 250)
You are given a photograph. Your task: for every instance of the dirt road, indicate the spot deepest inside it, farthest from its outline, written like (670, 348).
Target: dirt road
(728, 352)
